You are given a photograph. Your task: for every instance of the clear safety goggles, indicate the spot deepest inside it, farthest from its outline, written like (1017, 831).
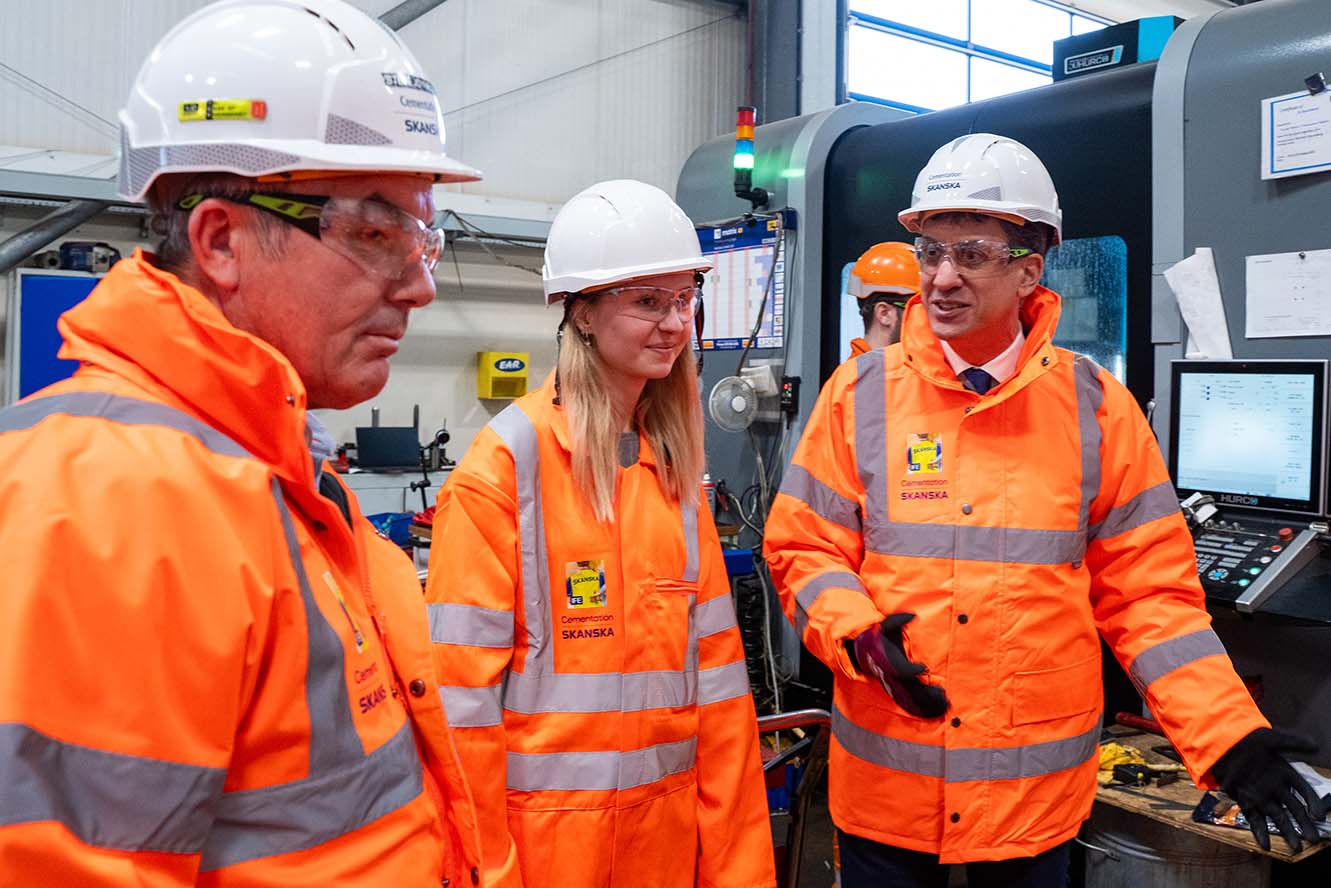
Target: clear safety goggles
(655, 303)
(977, 256)
(382, 239)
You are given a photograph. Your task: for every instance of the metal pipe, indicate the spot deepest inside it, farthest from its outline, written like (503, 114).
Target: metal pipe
(407, 12)
(55, 224)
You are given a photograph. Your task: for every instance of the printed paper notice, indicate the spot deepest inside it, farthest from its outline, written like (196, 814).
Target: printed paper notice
(1296, 135)
(1289, 294)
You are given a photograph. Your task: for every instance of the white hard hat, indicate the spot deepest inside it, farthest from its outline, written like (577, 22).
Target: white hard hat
(260, 87)
(988, 174)
(616, 231)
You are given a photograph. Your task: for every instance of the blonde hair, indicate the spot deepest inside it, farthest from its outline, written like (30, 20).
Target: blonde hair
(668, 413)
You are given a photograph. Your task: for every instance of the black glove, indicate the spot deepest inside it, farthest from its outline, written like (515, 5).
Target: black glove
(1257, 776)
(880, 653)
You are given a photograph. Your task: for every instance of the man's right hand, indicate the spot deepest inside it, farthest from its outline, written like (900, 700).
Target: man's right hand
(880, 653)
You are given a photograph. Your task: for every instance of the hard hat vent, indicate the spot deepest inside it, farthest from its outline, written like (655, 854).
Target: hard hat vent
(142, 163)
(343, 131)
(994, 192)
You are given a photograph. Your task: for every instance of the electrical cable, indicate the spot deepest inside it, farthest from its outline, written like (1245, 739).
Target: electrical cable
(453, 250)
(777, 253)
(479, 236)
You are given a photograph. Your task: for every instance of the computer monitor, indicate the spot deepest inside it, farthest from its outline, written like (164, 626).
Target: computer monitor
(387, 448)
(1250, 433)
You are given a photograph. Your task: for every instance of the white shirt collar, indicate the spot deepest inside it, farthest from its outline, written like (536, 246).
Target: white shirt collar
(1000, 368)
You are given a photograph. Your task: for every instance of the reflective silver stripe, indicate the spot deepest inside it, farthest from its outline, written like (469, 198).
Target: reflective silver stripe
(871, 433)
(963, 765)
(600, 691)
(515, 429)
(924, 759)
(599, 770)
(716, 615)
(799, 483)
(690, 522)
(120, 410)
(472, 707)
(1090, 395)
(333, 737)
(1165, 657)
(470, 625)
(257, 823)
(1010, 545)
(1014, 762)
(1149, 505)
(723, 683)
(106, 799)
(832, 579)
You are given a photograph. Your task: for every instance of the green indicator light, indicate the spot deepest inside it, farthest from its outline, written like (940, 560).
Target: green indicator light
(743, 161)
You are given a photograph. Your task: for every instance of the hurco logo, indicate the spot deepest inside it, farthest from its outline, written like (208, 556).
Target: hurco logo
(407, 81)
(1238, 499)
(509, 365)
(1089, 61)
(942, 186)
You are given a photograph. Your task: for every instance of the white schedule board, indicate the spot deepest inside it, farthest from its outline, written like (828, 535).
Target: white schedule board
(748, 268)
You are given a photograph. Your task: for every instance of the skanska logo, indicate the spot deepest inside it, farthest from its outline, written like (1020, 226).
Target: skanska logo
(942, 186)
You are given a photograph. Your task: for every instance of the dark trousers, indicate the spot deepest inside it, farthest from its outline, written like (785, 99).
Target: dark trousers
(867, 864)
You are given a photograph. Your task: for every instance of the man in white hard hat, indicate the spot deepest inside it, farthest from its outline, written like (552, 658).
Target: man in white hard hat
(216, 672)
(968, 512)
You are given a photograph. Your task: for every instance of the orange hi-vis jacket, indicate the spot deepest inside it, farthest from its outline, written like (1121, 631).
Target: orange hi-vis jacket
(210, 676)
(593, 672)
(858, 346)
(1015, 525)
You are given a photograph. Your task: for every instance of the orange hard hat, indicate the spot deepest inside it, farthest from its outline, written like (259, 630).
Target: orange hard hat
(887, 268)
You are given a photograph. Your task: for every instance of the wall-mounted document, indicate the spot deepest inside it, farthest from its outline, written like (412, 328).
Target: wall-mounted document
(1289, 294)
(1197, 290)
(1296, 134)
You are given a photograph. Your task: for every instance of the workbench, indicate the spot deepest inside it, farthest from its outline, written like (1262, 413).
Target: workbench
(1174, 803)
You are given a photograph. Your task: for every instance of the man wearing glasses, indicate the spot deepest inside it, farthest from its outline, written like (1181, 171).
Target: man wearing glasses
(967, 513)
(215, 672)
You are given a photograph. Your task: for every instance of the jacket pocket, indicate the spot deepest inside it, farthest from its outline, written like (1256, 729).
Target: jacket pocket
(1049, 694)
(660, 635)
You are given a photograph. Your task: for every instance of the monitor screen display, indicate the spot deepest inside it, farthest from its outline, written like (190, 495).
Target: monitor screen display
(1250, 433)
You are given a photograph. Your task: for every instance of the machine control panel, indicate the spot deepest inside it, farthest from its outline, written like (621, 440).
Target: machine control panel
(1244, 563)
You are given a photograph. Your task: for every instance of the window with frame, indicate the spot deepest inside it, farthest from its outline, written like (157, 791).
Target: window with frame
(922, 56)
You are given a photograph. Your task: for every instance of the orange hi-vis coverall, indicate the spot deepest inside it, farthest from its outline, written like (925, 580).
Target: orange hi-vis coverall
(212, 675)
(593, 672)
(1016, 526)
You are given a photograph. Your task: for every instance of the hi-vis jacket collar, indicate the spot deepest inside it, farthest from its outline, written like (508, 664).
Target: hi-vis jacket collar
(192, 352)
(559, 425)
(922, 352)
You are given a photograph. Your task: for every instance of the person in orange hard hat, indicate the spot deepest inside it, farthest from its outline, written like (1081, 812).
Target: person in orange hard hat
(967, 514)
(216, 673)
(882, 281)
(585, 633)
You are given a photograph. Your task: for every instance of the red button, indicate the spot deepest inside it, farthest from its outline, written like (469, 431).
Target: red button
(1285, 534)
(1276, 548)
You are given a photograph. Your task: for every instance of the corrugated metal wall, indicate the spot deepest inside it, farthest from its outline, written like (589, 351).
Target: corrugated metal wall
(546, 96)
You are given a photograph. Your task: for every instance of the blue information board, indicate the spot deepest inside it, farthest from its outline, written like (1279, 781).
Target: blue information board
(39, 299)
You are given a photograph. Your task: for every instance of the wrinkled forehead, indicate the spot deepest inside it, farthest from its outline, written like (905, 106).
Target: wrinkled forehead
(413, 194)
(951, 227)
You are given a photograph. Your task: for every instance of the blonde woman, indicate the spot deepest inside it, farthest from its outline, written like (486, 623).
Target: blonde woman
(585, 636)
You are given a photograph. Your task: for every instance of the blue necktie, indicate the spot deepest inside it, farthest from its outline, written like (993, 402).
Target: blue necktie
(977, 380)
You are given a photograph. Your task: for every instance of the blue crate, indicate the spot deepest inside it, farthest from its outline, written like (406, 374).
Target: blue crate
(739, 562)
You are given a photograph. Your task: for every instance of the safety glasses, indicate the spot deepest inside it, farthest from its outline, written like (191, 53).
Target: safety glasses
(383, 240)
(976, 256)
(654, 303)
